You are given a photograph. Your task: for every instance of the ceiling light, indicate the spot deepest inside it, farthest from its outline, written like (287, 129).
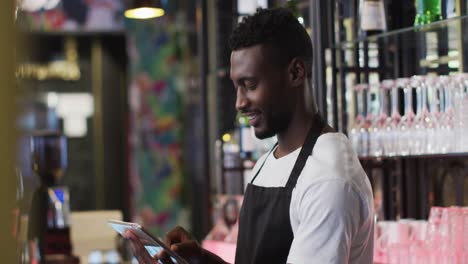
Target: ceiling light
(37, 5)
(144, 9)
(32, 5)
(51, 4)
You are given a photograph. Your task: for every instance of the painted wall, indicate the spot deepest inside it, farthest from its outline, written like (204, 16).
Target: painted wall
(155, 132)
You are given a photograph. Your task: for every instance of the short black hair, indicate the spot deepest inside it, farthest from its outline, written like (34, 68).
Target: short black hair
(279, 30)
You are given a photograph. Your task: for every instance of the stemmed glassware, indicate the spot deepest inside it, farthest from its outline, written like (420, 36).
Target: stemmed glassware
(433, 119)
(359, 132)
(406, 125)
(438, 125)
(422, 114)
(390, 137)
(447, 116)
(377, 130)
(460, 88)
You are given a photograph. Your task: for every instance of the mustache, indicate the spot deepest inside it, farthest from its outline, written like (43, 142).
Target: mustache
(250, 111)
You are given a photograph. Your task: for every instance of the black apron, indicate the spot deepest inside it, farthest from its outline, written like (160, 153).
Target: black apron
(265, 233)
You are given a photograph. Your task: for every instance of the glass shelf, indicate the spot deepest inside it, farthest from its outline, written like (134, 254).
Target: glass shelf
(448, 24)
(439, 48)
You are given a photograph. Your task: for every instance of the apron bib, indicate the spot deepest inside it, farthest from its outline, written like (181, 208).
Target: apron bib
(265, 233)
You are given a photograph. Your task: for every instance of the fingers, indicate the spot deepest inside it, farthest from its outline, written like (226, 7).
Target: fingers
(187, 250)
(182, 243)
(127, 234)
(164, 257)
(177, 235)
(178, 239)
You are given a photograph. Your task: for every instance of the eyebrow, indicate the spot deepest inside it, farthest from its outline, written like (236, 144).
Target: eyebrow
(242, 80)
(246, 78)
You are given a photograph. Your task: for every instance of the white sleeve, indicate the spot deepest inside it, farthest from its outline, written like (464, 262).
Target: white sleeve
(328, 217)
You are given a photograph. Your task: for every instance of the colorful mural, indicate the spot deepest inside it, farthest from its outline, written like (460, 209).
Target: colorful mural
(155, 124)
(74, 15)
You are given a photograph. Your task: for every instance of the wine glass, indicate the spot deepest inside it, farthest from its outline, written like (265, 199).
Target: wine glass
(377, 135)
(390, 145)
(460, 88)
(359, 132)
(419, 131)
(447, 115)
(406, 124)
(432, 119)
(375, 148)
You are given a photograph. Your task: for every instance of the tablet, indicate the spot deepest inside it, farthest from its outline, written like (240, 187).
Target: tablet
(152, 244)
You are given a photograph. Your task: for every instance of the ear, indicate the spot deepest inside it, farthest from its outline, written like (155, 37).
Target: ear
(297, 72)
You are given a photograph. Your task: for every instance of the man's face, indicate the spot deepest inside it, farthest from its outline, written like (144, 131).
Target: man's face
(263, 90)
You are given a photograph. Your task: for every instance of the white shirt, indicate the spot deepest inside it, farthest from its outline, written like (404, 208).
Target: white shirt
(331, 209)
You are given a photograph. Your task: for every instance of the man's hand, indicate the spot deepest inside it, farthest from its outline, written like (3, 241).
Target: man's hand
(182, 243)
(179, 241)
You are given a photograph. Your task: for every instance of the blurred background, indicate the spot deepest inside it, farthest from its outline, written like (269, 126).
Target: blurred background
(130, 116)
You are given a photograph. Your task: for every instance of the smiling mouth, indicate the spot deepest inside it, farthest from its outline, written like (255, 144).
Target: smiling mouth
(253, 117)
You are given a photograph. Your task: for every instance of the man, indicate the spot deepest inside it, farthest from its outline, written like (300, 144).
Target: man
(309, 200)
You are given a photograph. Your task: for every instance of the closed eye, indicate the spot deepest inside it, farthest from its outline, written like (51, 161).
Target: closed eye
(247, 83)
(250, 84)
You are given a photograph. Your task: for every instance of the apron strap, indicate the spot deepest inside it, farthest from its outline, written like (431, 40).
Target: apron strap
(312, 136)
(263, 163)
(307, 147)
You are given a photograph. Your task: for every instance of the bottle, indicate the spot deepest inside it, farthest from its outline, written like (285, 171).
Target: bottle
(427, 11)
(372, 17)
(232, 170)
(246, 140)
(450, 8)
(292, 6)
(247, 148)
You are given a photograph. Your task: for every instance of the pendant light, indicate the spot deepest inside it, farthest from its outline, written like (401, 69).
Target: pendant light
(144, 9)
(37, 5)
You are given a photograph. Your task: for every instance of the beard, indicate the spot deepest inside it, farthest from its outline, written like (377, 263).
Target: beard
(274, 122)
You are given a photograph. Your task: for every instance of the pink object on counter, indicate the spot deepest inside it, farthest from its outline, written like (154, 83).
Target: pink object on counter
(440, 240)
(227, 251)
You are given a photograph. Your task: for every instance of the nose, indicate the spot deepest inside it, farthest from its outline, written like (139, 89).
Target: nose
(241, 100)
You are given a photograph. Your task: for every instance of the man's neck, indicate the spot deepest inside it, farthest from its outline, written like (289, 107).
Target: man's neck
(294, 136)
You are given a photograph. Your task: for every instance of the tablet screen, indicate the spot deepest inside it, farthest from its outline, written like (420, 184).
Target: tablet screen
(153, 251)
(152, 245)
